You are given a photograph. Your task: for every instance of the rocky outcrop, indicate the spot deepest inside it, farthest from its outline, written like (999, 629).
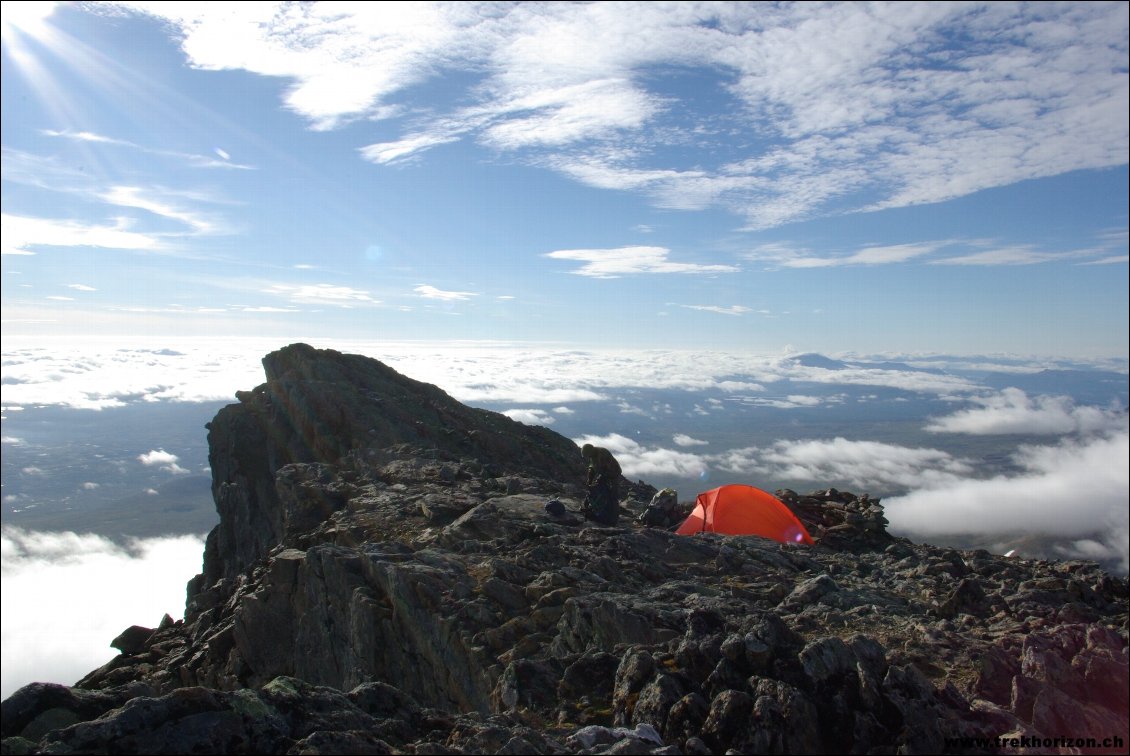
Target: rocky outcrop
(413, 596)
(324, 407)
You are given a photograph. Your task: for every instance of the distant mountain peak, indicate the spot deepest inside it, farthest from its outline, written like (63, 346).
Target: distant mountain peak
(814, 360)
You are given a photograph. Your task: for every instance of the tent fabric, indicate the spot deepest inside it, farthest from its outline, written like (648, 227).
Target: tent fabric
(744, 510)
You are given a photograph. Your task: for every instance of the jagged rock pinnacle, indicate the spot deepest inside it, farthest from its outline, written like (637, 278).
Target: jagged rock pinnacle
(322, 406)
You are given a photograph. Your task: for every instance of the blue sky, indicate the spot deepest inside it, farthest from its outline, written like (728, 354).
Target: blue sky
(919, 177)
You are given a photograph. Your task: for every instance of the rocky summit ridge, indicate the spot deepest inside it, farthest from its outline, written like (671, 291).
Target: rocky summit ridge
(385, 579)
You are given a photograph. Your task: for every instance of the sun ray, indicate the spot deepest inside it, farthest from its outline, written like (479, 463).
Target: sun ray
(26, 18)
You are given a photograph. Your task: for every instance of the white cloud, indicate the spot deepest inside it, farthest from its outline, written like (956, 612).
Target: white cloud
(731, 310)
(132, 196)
(613, 263)
(919, 381)
(157, 457)
(86, 136)
(788, 256)
(862, 106)
(392, 152)
(166, 460)
(627, 408)
(792, 401)
(530, 416)
(682, 439)
(11, 440)
(92, 374)
(1013, 411)
(732, 387)
(1114, 260)
(1015, 255)
(1071, 490)
(196, 161)
(869, 465)
(98, 375)
(597, 171)
(41, 641)
(982, 252)
(81, 287)
(570, 113)
(323, 294)
(344, 60)
(21, 234)
(149, 231)
(431, 292)
(638, 460)
(895, 253)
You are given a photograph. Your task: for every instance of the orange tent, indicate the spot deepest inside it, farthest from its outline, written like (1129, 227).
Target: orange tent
(744, 510)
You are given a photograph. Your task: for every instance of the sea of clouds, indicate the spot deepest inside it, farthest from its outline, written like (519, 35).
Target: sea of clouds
(66, 595)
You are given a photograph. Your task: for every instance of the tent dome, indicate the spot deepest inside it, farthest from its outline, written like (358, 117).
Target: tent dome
(744, 510)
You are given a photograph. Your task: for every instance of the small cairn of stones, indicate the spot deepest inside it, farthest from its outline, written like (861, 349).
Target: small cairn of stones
(839, 518)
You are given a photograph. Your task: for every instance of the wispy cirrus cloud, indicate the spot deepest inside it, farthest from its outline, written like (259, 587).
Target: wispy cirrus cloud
(268, 309)
(1112, 260)
(885, 255)
(1012, 255)
(132, 196)
(23, 234)
(731, 310)
(191, 159)
(635, 260)
(840, 108)
(972, 252)
(321, 294)
(404, 149)
(86, 136)
(431, 292)
(189, 211)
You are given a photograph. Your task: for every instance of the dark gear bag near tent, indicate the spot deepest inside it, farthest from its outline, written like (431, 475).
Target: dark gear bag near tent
(744, 510)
